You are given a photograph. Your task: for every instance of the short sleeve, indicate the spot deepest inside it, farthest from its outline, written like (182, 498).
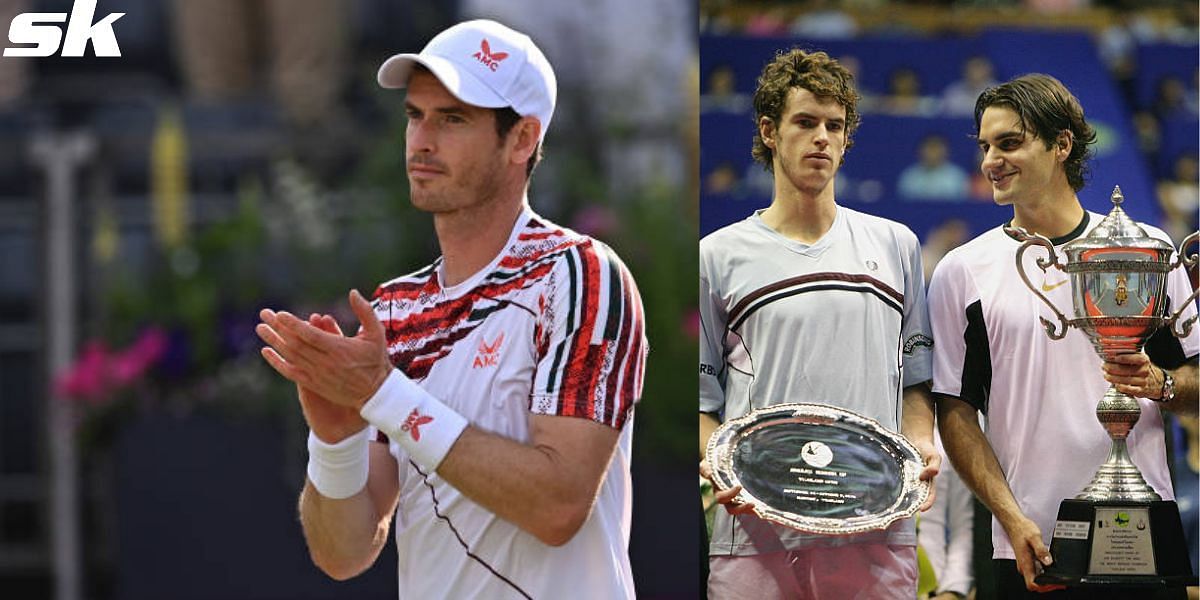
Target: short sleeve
(948, 321)
(592, 347)
(962, 365)
(915, 330)
(713, 319)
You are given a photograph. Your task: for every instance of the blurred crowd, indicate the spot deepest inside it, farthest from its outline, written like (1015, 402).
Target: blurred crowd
(1145, 46)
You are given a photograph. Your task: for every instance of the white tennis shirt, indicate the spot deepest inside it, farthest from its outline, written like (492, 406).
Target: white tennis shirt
(553, 326)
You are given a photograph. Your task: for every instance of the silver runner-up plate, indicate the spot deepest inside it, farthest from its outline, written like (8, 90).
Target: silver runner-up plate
(818, 468)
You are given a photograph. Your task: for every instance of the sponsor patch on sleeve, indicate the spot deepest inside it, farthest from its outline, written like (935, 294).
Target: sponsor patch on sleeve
(915, 340)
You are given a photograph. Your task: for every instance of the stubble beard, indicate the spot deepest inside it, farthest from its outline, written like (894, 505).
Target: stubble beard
(475, 187)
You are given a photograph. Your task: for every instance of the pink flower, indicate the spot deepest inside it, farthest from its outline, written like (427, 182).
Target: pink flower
(97, 373)
(151, 344)
(87, 378)
(131, 364)
(691, 324)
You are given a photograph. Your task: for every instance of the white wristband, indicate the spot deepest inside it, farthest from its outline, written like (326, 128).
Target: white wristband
(411, 417)
(339, 470)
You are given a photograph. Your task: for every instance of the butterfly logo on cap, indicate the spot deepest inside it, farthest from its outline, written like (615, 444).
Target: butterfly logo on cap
(487, 57)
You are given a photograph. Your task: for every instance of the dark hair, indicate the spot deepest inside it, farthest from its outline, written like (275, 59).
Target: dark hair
(1047, 107)
(506, 119)
(813, 71)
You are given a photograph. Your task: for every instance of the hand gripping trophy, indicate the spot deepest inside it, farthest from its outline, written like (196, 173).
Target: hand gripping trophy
(1118, 530)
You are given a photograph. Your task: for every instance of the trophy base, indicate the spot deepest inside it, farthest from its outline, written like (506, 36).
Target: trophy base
(1118, 544)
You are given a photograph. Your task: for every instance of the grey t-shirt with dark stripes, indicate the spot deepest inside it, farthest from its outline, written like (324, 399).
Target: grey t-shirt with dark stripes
(842, 321)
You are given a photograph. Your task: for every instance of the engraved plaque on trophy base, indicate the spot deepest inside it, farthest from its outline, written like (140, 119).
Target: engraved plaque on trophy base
(1131, 544)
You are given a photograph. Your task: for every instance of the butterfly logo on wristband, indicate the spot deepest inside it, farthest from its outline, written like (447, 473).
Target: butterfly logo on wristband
(413, 422)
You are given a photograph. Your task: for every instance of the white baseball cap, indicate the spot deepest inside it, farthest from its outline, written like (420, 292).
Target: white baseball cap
(483, 63)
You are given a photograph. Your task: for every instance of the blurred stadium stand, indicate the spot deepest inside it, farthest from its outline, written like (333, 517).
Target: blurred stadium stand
(935, 42)
(1115, 56)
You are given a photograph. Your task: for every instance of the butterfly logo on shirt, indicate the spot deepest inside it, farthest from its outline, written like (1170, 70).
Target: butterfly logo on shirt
(488, 354)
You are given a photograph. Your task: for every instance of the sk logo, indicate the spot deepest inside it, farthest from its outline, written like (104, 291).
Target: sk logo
(35, 35)
(489, 59)
(488, 354)
(412, 423)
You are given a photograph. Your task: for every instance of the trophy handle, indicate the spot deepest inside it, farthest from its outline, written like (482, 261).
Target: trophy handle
(1034, 239)
(1187, 262)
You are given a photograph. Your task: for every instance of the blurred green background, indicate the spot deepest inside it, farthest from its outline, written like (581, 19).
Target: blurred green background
(239, 155)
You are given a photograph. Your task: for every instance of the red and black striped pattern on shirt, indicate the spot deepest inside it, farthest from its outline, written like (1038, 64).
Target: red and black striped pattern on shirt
(588, 342)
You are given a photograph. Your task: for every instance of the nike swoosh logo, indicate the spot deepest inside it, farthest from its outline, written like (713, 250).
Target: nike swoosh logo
(1050, 288)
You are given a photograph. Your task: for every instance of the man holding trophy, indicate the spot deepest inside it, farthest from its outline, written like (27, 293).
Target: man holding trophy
(1039, 392)
(809, 302)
